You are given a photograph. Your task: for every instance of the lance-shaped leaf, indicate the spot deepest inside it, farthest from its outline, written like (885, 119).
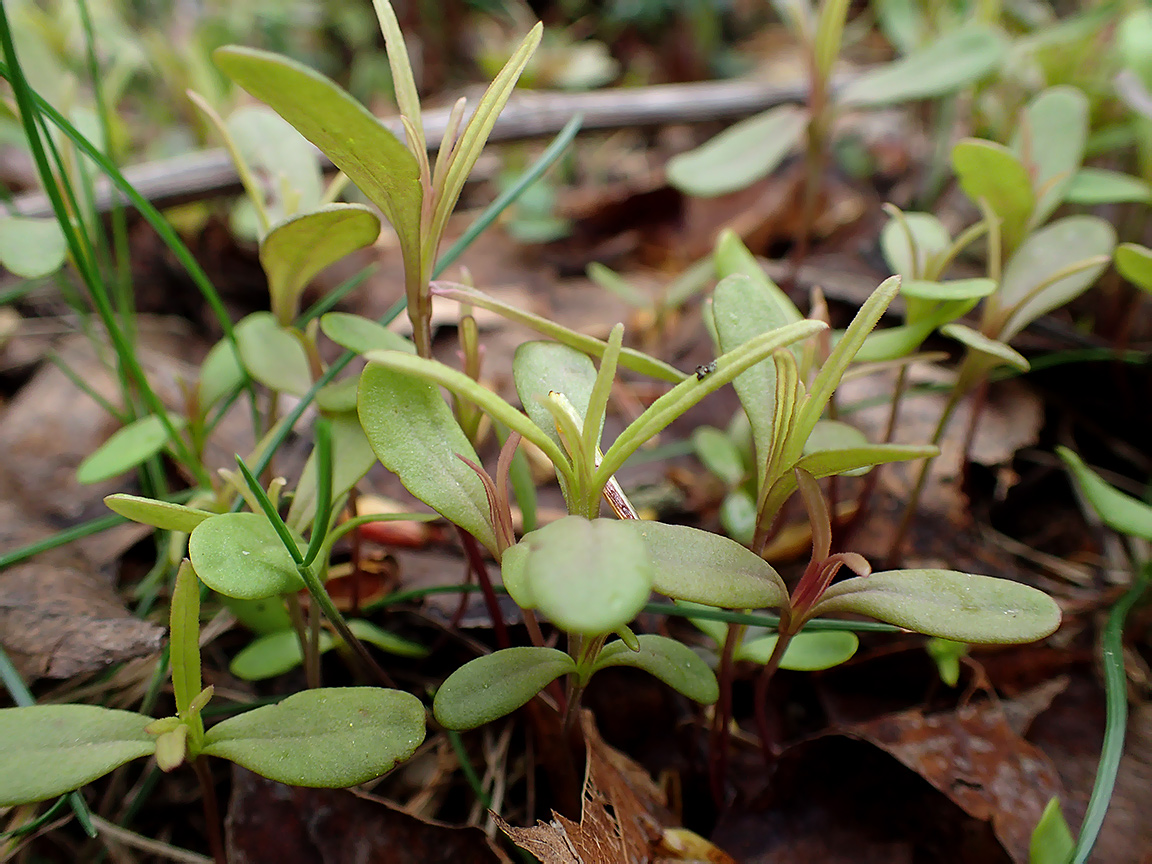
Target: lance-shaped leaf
(298, 248)
(588, 576)
(412, 431)
(702, 567)
(991, 172)
(31, 248)
(807, 652)
(129, 446)
(487, 688)
(361, 335)
(1135, 264)
(963, 607)
(329, 737)
(356, 142)
(629, 357)
(1050, 141)
(184, 635)
(719, 454)
(272, 355)
(47, 750)
(1119, 511)
(952, 62)
(159, 514)
(403, 82)
(686, 394)
(995, 351)
(354, 457)
(274, 654)
(1093, 186)
(241, 555)
(672, 662)
(539, 368)
(740, 155)
(833, 436)
(1054, 265)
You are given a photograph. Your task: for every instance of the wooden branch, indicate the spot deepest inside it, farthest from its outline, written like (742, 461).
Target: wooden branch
(529, 114)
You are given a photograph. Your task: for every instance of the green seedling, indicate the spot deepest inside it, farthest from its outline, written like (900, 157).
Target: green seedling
(327, 737)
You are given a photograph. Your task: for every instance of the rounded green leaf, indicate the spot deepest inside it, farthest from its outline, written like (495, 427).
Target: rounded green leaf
(330, 737)
(298, 248)
(220, 374)
(541, 367)
(703, 567)
(159, 514)
(1135, 264)
(353, 457)
(1050, 139)
(588, 576)
(955, 60)
(413, 432)
(807, 652)
(128, 447)
(929, 236)
(368, 632)
(831, 435)
(272, 655)
(359, 334)
(963, 607)
(672, 662)
(1032, 285)
(738, 516)
(487, 688)
(512, 575)
(272, 355)
(270, 146)
(1119, 511)
(719, 454)
(47, 750)
(240, 555)
(264, 615)
(992, 172)
(31, 247)
(739, 156)
(1094, 186)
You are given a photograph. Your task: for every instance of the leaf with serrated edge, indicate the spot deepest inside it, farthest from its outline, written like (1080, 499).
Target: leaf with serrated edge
(1118, 511)
(241, 555)
(702, 567)
(672, 662)
(329, 737)
(412, 431)
(298, 248)
(159, 514)
(487, 688)
(964, 607)
(47, 750)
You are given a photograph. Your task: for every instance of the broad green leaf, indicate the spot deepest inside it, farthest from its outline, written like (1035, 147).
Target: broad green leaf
(1052, 841)
(240, 555)
(719, 454)
(272, 355)
(475, 134)
(137, 442)
(1033, 284)
(963, 607)
(991, 172)
(740, 155)
(702, 567)
(330, 737)
(269, 144)
(295, 250)
(339, 397)
(994, 349)
(833, 435)
(263, 616)
(273, 654)
(672, 662)
(738, 516)
(732, 256)
(353, 456)
(1050, 141)
(1118, 510)
(630, 358)
(686, 394)
(588, 576)
(807, 652)
(1134, 43)
(1135, 264)
(952, 62)
(220, 374)
(512, 575)
(929, 236)
(361, 335)
(1093, 186)
(184, 638)
(31, 248)
(356, 142)
(368, 632)
(47, 750)
(487, 688)
(892, 343)
(412, 431)
(158, 514)
(542, 367)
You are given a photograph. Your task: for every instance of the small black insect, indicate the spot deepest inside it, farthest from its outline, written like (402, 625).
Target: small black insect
(701, 371)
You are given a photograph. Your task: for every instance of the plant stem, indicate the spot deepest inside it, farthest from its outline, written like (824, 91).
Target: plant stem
(213, 825)
(296, 614)
(476, 562)
(761, 695)
(718, 757)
